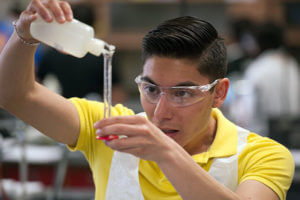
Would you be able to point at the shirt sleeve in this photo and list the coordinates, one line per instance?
(268, 162)
(90, 112)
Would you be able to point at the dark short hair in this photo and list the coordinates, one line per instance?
(188, 38)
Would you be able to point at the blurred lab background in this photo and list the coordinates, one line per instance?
(263, 41)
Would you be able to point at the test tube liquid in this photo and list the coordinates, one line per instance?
(107, 83)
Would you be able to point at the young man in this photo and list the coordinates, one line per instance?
(188, 149)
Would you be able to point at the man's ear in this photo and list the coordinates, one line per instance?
(220, 92)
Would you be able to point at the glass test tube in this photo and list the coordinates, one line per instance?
(107, 80)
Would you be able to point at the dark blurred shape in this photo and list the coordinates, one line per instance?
(269, 36)
(84, 13)
(240, 27)
(78, 77)
(244, 47)
(15, 9)
(6, 124)
(292, 13)
(286, 130)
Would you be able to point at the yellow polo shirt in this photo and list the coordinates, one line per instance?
(262, 159)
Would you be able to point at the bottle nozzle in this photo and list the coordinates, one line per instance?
(109, 49)
(96, 46)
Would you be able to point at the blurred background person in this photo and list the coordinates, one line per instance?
(271, 82)
(243, 49)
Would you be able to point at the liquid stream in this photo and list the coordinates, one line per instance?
(107, 86)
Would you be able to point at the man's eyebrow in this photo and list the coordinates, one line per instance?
(147, 79)
(186, 83)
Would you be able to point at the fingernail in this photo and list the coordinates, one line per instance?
(98, 131)
(48, 17)
(33, 17)
(62, 18)
(70, 17)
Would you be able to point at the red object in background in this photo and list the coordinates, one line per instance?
(2, 191)
(76, 176)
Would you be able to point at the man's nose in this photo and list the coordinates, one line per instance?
(163, 109)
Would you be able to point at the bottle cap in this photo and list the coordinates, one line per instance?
(96, 46)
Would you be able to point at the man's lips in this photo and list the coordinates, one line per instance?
(170, 132)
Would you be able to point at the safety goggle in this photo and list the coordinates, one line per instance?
(177, 96)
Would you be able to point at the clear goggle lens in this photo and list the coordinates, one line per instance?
(177, 96)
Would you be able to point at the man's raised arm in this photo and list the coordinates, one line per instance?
(20, 94)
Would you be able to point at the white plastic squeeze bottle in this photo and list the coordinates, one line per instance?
(74, 38)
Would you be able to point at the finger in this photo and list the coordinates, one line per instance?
(26, 18)
(23, 24)
(134, 146)
(125, 144)
(128, 130)
(37, 7)
(133, 119)
(56, 10)
(66, 8)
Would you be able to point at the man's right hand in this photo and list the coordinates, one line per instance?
(49, 10)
